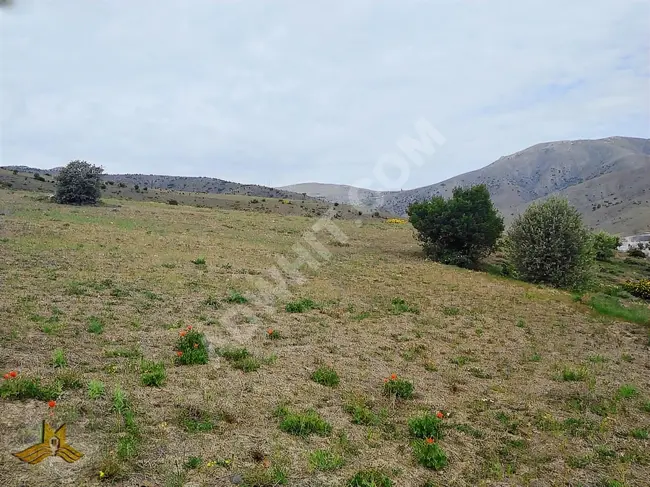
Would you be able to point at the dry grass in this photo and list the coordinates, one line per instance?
(511, 418)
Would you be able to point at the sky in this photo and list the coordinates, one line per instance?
(279, 92)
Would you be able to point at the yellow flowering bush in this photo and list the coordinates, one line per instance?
(396, 221)
(640, 288)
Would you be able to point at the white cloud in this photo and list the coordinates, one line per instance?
(289, 91)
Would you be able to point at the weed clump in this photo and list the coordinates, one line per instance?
(152, 374)
(427, 426)
(191, 348)
(302, 424)
(399, 388)
(325, 376)
(429, 454)
(370, 478)
(300, 306)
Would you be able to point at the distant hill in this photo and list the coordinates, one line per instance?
(181, 183)
(608, 180)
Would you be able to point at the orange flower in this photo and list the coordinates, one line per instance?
(439, 415)
(430, 441)
(270, 331)
(196, 345)
(393, 377)
(179, 353)
(51, 404)
(13, 373)
(183, 333)
(6, 376)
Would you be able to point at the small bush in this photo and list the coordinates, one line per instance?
(199, 261)
(240, 359)
(96, 389)
(573, 375)
(362, 414)
(550, 244)
(303, 424)
(458, 231)
(400, 388)
(627, 391)
(325, 460)
(637, 253)
(191, 348)
(172, 202)
(429, 454)
(427, 426)
(152, 374)
(605, 245)
(300, 306)
(640, 288)
(193, 463)
(370, 478)
(326, 376)
(79, 183)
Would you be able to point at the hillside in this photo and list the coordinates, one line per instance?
(608, 180)
(181, 183)
(96, 302)
(121, 189)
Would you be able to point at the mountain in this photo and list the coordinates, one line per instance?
(181, 183)
(608, 180)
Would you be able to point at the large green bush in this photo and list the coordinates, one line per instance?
(549, 244)
(79, 183)
(460, 230)
(605, 245)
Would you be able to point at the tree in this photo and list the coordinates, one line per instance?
(79, 183)
(459, 231)
(605, 245)
(549, 244)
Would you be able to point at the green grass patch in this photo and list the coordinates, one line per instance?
(399, 306)
(325, 376)
(399, 388)
(302, 423)
(96, 389)
(427, 426)
(612, 307)
(325, 460)
(191, 348)
(236, 298)
(95, 325)
(300, 306)
(58, 358)
(429, 454)
(21, 388)
(370, 478)
(152, 374)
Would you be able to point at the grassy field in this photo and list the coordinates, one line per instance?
(307, 207)
(534, 386)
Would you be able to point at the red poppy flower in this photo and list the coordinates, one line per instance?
(439, 415)
(51, 404)
(179, 353)
(13, 373)
(189, 327)
(182, 333)
(6, 376)
(270, 331)
(430, 441)
(385, 380)
(393, 377)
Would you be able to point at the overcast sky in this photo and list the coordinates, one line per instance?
(279, 92)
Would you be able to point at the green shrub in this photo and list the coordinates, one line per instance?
(326, 376)
(95, 325)
(191, 348)
(399, 306)
(172, 202)
(199, 261)
(362, 414)
(605, 245)
(640, 288)
(427, 426)
(400, 388)
(193, 463)
(429, 454)
(300, 306)
(550, 244)
(370, 478)
(636, 252)
(302, 424)
(458, 231)
(79, 183)
(195, 420)
(152, 373)
(240, 359)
